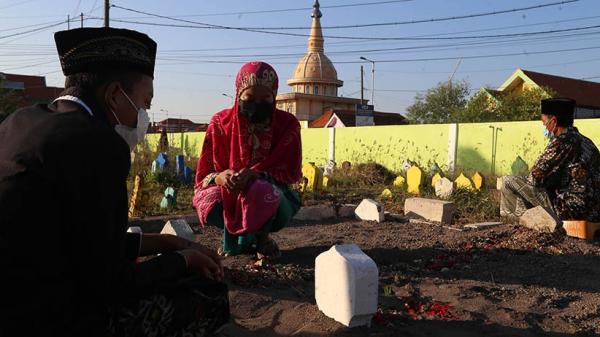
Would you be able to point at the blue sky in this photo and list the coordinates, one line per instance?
(186, 85)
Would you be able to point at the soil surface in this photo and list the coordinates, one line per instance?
(434, 281)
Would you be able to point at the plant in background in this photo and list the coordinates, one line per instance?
(9, 101)
(440, 104)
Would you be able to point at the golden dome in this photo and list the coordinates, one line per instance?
(315, 66)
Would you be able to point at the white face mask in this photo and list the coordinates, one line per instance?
(133, 136)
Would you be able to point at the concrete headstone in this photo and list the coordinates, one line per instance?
(406, 164)
(180, 165)
(370, 210)
(399, 182)
(436, 177)
(435, 168)
(326, 182)
(179, 227)
(134, 229)
(329, 168)
(346, 285)
(477, 180)
(346, 211)
(540, 219)
(162, 162)
(315, 213)
(413, 179)
(429, 209)
(386, 194)
(314, 177)
(463, 182)
(444, 188)
(188, 176)
(170, 198)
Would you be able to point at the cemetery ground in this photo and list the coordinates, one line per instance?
(434, 280)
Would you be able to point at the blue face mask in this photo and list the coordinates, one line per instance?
(547, 133)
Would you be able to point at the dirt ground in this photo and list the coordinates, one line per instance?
(434, 281)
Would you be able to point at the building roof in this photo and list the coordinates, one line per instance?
(348, 118)
(30, 89)
(585, 93)
(332, 99)
(175, 121)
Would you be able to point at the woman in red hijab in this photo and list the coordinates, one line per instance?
(251, 155)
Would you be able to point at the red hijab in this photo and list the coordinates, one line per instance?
(231, 142)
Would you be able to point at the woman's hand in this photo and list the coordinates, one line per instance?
(225, 179)
(242, 178)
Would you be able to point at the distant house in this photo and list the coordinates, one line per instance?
(585, 93)
(29, 89)
(177, 125)
(347, 118)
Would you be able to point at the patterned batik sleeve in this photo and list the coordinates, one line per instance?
(546, 172)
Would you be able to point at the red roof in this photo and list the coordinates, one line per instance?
(34, 89)
(176, 121)
(585, 93)
(348, 117)
(28, 80)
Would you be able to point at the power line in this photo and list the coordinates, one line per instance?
(431, 47)
(415, 59)
(29, 26)
(412, 49)
(37, 29)
(396, 23)
(51, 47)
(269, 11)
(199, 25)
(16, 4)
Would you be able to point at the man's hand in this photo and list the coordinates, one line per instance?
(202, 264)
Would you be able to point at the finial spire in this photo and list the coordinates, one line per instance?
(316, 41)
(316, 11)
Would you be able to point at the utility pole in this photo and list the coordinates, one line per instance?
(373, 79)
(68, 21)
(373, 84)
(362, 85)
(81, 15)
(106, 13)
(181, 130)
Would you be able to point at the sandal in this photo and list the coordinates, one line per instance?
(268, 250)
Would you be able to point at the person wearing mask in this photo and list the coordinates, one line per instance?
(68, 264)
(251, 155)
(566, 177)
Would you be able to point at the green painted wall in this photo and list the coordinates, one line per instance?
(525, 139)
(315, 143)
(391, 145)
(194, 141)
(424, 144)
(315, 146)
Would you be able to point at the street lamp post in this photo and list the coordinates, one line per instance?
(373, 78)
